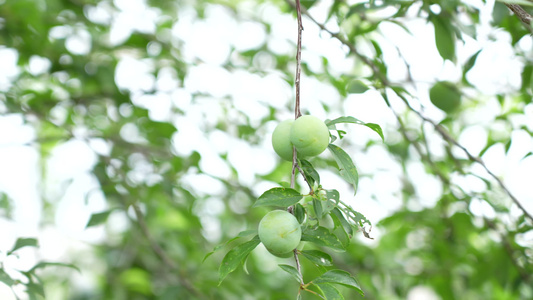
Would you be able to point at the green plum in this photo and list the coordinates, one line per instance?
(309, 135)
(281, 140)
(280, 232)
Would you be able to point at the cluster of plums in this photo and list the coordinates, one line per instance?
(308, 134)
(279, 230)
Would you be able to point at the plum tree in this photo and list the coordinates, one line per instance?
(281, 140)
(280, 232)
(309, 135)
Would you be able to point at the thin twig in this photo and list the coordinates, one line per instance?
(298, 267)
(297, 112)
(345, 42)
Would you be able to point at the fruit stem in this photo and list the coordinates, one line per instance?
(297, 114)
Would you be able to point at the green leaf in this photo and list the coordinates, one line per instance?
(444, 37)
(317, 257)
(329, 291)
(357, 217)
(293, 271)
(352, 120)
(339, 216)
(45, 264)
(339, 277)
(241, 234)
(348, 119)
(333, 195)
(328, 206)
(470, 63)
(317, 206)
(5, 278)
(233, 258)
(299, 212)
(281, 197)
(23, 242)
(356, 87)
(98, 218)
(321, 236)
(377, 129)
(35, 289)
(310, 173)
(445, 96)
(347, 169)
(358, 8)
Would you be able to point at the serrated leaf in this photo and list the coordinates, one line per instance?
(329, 291)
(45, 264)
(317, 257)
(321, 236)
(293, 271)
(310, 173)
(347, 169)
(98, 218)
(5, 278)
(235, 256)
(280, 197)
(352, 120)
(356, 87)
(339, 277)
(23, 242)
(241, 234)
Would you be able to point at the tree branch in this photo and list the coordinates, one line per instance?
(523, 15)
(444, 134)
(297, 114)
(447, 137)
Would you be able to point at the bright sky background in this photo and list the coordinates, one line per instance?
(69, 183)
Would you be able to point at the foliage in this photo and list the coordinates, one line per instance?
(153, 113)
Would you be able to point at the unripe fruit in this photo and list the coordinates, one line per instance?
(309, 135)
(280, 232)
(281, 140)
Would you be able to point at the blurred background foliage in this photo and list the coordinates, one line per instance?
(86, 73)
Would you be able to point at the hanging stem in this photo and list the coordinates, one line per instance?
(297, 113)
